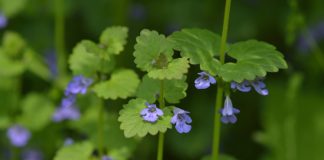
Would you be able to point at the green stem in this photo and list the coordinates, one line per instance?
(220, 86)
(59, 37)
(161, 135)
(100, 130)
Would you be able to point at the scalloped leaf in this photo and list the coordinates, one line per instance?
(133, 124)
(77, 151)
(10, 68)
(149, 48)
(32, 104)
(122, 84)
(13, 44)
(254, 59)
(175, 70)
(114, 39)
(174, 90)
(84, 59)
(200, 46)
(12, 7)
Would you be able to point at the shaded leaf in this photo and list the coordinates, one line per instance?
(37, 111)
(174, 90)
(200, 46)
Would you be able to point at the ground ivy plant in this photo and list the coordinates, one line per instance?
(93, 66)
(252, 60)
(164, 83)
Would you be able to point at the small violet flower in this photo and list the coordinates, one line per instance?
(68, 101)
(106, 158)
(204, 80)
(151, 113)
(68, 141)
(3, 21)
(228, 112)
(18, 135)
(79, 84)
(245, 86)
(66, 113)
(32, 155)
(181, 120)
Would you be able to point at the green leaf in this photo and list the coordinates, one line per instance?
(200, 46)
(36, 65)
(77, 151)
(37, 111)
(174, 90)
(13, 44)
(133, 124)
(122, 84)
(85, 59)
(254, 59)
(10, 68)
(114, 39)
(88, 124)
(152, 50)
(175, 70)
(12, 7)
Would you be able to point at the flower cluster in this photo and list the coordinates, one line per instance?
(67, 109)
(18, 135)
(180, 117)
(245, 86)
(32, 155)
(228, 112)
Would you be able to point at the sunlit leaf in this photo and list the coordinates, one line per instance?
(174, 70)
(114, 39)
(77, 151)
(122, 84)
(152, 50)
(133, 124)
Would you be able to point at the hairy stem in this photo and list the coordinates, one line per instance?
(161, 135)
(220, 89)
(59, 37)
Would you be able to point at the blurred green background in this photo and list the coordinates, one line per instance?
(286, 125)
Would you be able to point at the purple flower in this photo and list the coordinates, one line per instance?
(79, 84)
(137, 12)
(66, 113)
(151, 113)
(51, 61)
(3, 21)
(181, 120)
(245, 86)
(68, 101)
(106, 158)
(32, 155)
(228, 112)
(68, 141)
(18, 135)
(204, 80)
